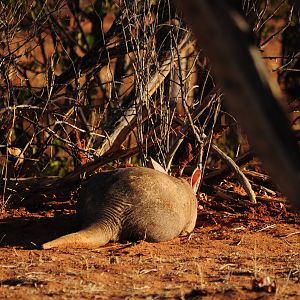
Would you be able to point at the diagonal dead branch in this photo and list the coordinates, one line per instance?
(125, 124)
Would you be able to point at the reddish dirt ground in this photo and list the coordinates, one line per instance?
(229, 256)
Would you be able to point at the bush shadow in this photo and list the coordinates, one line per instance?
(32, 232)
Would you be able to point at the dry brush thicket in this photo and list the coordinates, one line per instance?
(122, 81)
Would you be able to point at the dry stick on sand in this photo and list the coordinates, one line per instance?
(229, 195)
(223, 172)
(236, 170)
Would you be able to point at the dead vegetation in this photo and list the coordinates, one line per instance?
(117, 83)
(86, 85)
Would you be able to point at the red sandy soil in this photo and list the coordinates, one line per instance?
(229, 256)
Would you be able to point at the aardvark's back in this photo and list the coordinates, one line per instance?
(131, 204)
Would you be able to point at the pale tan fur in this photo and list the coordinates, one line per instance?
(131, 204)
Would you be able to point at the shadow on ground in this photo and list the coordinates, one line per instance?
(31, 232)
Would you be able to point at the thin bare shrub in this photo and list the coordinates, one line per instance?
(86, 80)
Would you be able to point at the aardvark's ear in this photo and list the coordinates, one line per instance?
(156, 166)
(195, 179)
